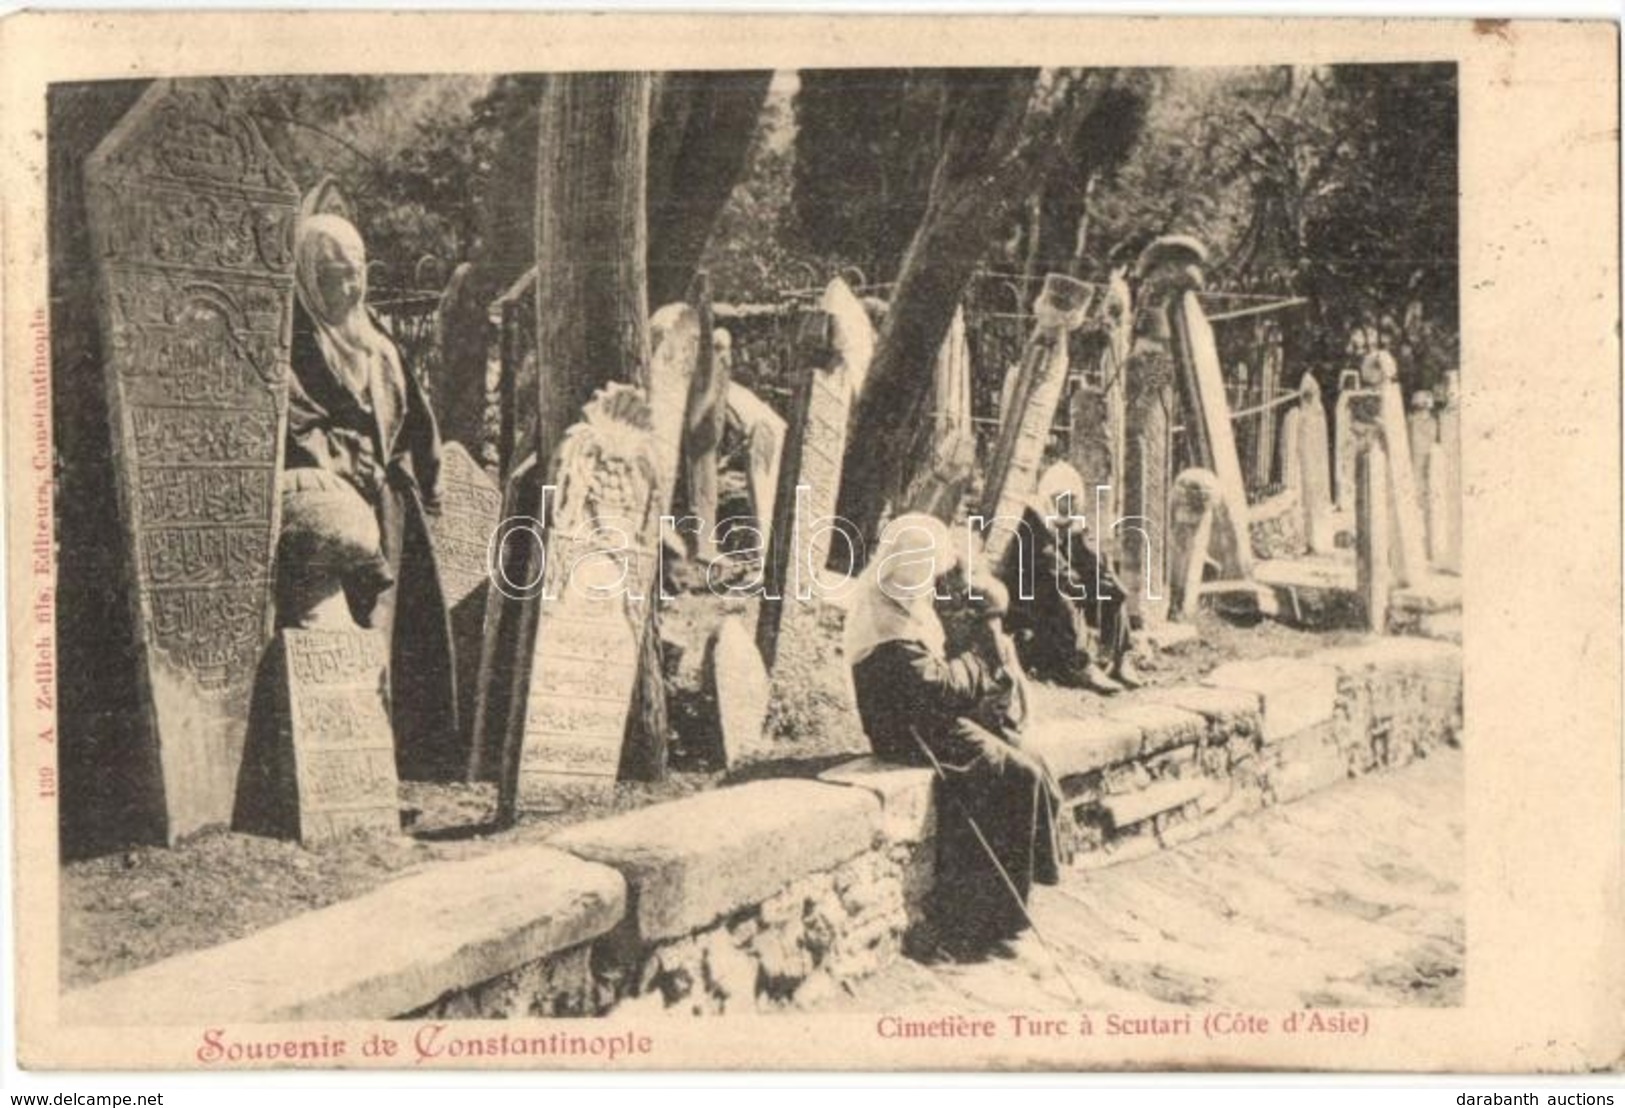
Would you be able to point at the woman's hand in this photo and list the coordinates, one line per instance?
(994, 601)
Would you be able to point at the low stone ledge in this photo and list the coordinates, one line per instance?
(1397, 698)
(689, 862)
(907, 811)
(1230, 713)
(391, 951)
(1392, 654)
(1295, 694)
(1162, 727)
(1076, 747)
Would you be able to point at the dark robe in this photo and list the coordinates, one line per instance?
(1062, 595)
(909, 698)
(399, 442)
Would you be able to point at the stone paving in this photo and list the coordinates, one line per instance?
(1348, 898)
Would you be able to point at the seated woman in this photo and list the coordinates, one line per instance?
(996, 822)
(1063, 594)
(355, 411)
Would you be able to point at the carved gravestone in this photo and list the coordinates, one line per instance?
(325, 197)
(1012, 474)
(1449, 473)
(337, 726)
(1292, 452)
(1209, 419)
(508, 625)
(470, 507)
(737, 684)
(1191, 506)
(838, 342)
(939, 488)
(1147, 472)
(191, 220)
(1424, 431)
(1373, 552)
(674, 338)
(798, 631)
(1408, 528)
(603, 524)
(1357, 408)
(1314, 452)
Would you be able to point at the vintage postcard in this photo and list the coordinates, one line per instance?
(813, 542)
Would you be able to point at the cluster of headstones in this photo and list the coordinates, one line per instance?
(193, 222)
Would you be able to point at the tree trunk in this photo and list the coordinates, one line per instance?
(700, 138)
(991, 161)
(592, 313)
(592, 309)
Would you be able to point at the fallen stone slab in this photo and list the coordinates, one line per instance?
(690, 862)
(378, 956)
(907, 812)
(1296, 694)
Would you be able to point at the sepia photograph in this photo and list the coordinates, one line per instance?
(969, 555)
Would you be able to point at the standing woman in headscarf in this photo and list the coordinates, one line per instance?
(921, 707)
(355, 409)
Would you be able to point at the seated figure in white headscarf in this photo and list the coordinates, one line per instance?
(921, 707)
(1066, 609)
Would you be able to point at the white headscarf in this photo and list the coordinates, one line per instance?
(895, 597)
(1055, 482)
(360, 355)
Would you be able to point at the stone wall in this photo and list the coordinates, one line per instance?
(757, 896)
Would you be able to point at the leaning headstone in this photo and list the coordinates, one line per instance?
(1140, 532)
(470, 507)
(1092, 456)
(1450, 482)
(706, 421)
(1314, 454)
(1191, 507)
(1424, 425)
(939, 489)
(838, 340)
(191, 220)
(764, 432)
(1292, 453)
(1424, 432)
(1439, 482)
(601, 533)
(321, 762)
(326, 197)
(674, 339)
(337, 719)
(507, 627)
(1012, 472)
(1372, 553)
(798, 629)
(1409, 536)
(1214, 432)
(1269, 379)
(737, 684)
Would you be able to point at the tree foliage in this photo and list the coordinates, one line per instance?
(1338, 184)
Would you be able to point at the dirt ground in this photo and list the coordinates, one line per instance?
(127, 909)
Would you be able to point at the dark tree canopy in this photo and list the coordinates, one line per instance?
(866, 145)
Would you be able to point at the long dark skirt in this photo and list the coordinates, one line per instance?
(998, 803)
